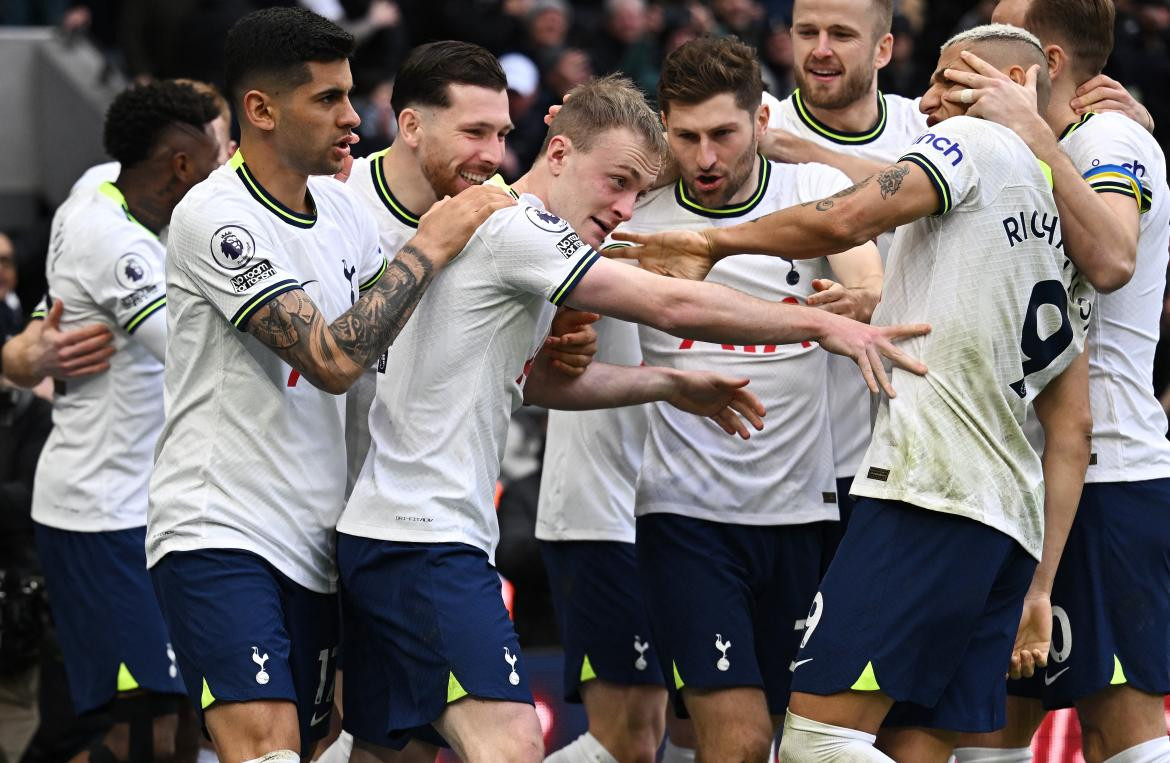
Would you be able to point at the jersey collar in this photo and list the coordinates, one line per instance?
(269, 201)
(837, 136)
(731, 210)
(1074, 126)
(498, 180)
(382, 188)
(112, 192)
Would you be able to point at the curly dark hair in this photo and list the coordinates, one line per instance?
(138, 116)
(279, 43)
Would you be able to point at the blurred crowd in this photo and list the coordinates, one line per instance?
(549, 46)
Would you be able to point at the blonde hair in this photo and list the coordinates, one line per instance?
(602, 104)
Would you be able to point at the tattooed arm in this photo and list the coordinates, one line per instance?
(333, 355)
(898, 194)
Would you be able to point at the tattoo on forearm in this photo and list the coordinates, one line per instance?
(890, 180)
(293, 327)
(827, 204)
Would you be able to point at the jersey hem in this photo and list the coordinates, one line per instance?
(156, 551)
(53, 522)
(805, 517)
(553, 536)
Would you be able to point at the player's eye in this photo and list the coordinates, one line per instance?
(619, 181)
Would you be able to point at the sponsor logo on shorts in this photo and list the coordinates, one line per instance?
(722, 663)
(139, 297)
(232, 247)
(262, 677)
(513, 677)
(570, 244)
(317, 719)
(640, 647)
(173, 670)
(261, 271)
(132, 271)
(546, 221)
(1049, 680)
(797, 663)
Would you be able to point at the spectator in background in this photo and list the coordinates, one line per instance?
(1146, 61)
(626, 44)
(901, 75)
(776, 59)
(548, 29)
(743, 18)
(683, 23)
(528, 131)
(10, 312)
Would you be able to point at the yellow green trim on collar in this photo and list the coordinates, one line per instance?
(114, 194)
(268, 200)
(1074, 126)
(382, 188)
(838, 136)
(732, 210)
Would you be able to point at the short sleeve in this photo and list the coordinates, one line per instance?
(538, 253)
(1113, 154)
(947, 155)
(231, 258)
(374, 262)
(128, 280)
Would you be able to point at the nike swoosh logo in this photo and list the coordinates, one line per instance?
(1048, 680)
(797, 664)
(315, 720)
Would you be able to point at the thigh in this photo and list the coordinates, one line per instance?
(597, 595)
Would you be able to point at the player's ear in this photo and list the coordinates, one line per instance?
(410, 127)
(560, 147)
(884, 51)
(1057, 60)
(763, 114)
(1017, 74)
(258, 110)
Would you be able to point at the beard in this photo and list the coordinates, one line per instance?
(737, 175)
(854, 86)
(444, 178)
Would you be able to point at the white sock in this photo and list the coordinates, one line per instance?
(207, 755)
(339, 751)
(993, 755)
(676, 754)
(277, 756)
(808, 741)
(1153, 751)
(583, 749)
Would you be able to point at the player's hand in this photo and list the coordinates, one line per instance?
(450, 223)
(678, 253)
(1034, 637)
(1103, 93)
(996, 98)
(71, 354)
(554, 109)
(783, 146)
(572, 341)
(346, 168)
(721, 398)
(841, 300)
(867, 345)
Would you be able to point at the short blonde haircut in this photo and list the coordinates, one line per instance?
(602, 104)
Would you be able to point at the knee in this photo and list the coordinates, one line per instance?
(745, 742)
(1093, 742)
(521, 741)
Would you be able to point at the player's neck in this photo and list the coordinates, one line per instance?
(148, 199)
(1059, 114)
(288, 186)
(535, 182)
(408, 184)
(858, 116)
(748, 189)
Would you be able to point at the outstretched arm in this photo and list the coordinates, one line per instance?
(779, 145)
(722, 398)
(333, 355)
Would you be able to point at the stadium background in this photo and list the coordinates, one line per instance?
(64, 61)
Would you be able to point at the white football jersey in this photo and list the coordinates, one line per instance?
(986, 273)
(591, 458)
(251, 455)
(95, 467)
(899, 123)
(1116, 155)
(106, 172)
(440, 418)
(784, 474)
(396, 226)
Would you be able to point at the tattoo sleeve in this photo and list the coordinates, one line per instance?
(827, 204)
(332, 356)
(890, 180)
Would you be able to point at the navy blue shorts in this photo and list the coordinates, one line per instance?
(244, 631)
(424, 625)
(834, 531)
(727, 602)
(111, 631)
(923, 606)
(601, 614)
(1111, 597)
